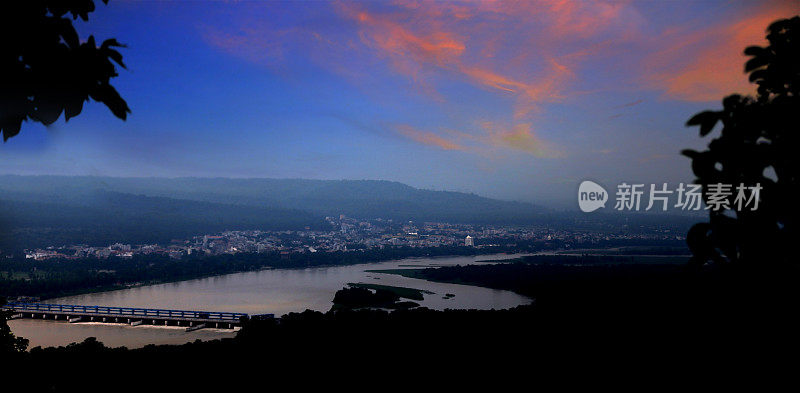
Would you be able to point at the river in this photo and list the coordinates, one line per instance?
(277, 291)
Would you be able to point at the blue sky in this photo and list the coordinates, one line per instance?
(515, 100)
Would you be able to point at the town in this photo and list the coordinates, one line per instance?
(349, 234)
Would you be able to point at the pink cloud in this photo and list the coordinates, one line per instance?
(524, 55)
(522, 138)
(707, 64)
(427, 138)
(490, 137)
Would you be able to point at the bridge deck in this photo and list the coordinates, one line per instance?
(126, 312)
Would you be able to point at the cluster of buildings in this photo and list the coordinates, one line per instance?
(347, 234)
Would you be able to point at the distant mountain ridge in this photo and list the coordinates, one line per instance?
(38, 211)
(356, 198)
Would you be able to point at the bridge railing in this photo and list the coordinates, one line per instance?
(125, 311)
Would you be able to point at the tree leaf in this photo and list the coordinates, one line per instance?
(690, 153)
(706, 120)
(108, 95)
(756, 63)
(73, 108)
(758, 75)
(755, 51)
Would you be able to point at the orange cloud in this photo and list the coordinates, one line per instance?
(515, 47)
(568, 18)
(708, 64)
(520, 137)
(421, 40)
(520, 55)
(490, 138)
(548, 88)
(410, 52)
(427, 138)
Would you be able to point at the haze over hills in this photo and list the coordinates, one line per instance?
(37, 211)
(356, 198)
(99, 210)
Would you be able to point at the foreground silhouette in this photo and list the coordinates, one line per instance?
(757, 146)
(47, 70)
(586, 313)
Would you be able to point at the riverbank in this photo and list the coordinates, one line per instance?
(59, 278)
(277, 291)
(530, 275)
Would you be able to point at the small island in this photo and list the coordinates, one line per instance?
(361, 295)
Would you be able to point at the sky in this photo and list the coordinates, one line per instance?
(512, 100)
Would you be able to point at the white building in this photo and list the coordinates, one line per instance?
(469, 242)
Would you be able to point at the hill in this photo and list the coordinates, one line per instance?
(39, 211)
(356, 198)
(102, 217)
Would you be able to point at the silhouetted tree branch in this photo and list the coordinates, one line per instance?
(44, 67)
(8, 342)
(757, 145)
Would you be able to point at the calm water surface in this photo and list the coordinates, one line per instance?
(277, 291)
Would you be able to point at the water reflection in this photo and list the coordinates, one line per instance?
(266, 291)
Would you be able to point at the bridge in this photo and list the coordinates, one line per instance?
(192, 320)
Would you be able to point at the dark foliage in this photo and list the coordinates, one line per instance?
(44, 67)
(577, 324)
(357, 297)
(9, 343)
(758, 134)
